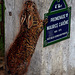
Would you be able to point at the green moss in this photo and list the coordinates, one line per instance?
(1, 47)
(1, 39)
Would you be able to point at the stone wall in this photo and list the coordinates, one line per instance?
(56, 59)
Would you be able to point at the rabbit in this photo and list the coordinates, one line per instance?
(23, 47)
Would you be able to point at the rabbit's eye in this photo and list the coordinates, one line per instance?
(33, 6)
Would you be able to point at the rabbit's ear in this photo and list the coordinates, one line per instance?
(30, 21)
(23, 18)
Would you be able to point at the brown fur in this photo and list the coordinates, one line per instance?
(21, 51)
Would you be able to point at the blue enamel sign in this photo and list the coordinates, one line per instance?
(58, 26)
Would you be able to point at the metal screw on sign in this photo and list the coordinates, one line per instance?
(58, 0)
